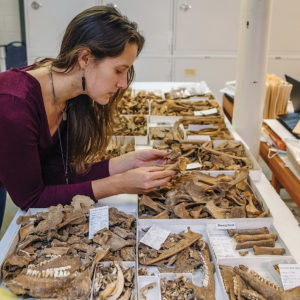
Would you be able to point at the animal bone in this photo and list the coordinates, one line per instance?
(146, 288)
(250, 244)
(254, 237)
(268, 251)
(252, 295)
(263, 230)
(188, 239)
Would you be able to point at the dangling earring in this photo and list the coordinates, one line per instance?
(83, 82)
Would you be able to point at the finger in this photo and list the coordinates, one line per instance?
(160, 182)
(152, 169)
(162, 174)
(159, 153)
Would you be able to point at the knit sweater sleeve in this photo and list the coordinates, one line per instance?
(20, 165)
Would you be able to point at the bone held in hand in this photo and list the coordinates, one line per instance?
(180, 165)
(250, 244)
(268, 251)
(240, 238)
(262, 230)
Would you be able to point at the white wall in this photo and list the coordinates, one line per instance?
(9, 25)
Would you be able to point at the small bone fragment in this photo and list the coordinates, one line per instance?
(243, 253)
(240, 238)
(250, 244)
(262, 230)
(146, 288)
(268, 251)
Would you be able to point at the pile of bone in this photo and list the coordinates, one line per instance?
(260, 239)
(47, 260)
(181, 108)
(228, 155)
(215, 127)
(117, 147)
(182, 253)
(136, 105)
(130, 126)
(203, 196)
(242, 283)
(160, 133)
(113, 281)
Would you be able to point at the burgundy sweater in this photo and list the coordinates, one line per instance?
(31, 167)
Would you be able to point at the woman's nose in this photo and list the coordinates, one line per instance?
(122, 82)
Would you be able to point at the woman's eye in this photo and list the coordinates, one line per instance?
(119, 72)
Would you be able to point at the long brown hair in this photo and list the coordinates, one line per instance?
(105, 31)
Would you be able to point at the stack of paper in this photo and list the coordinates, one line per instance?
(278, 94)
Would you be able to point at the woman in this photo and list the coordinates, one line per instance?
(57, 115)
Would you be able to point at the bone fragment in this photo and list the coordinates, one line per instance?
(250, 244)
(243, 253)
(119, 286)
(250, 294)
(180, 165)
(240, 238)
(262, 230)
(268, 251)
(189, 238)
(146, 288)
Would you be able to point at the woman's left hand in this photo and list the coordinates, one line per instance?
(137, 159)
(151, 157)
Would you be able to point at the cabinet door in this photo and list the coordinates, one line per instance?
(215, 71)
(46, 21)
(285, 28)
(154, 19)
(206, 26)
(152, 69)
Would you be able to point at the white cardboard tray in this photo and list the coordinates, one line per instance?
(223, 246)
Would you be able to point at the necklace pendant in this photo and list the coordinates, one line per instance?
(64, 115)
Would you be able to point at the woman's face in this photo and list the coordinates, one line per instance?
(105, 77)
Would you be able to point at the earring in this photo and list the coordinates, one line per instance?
(83, 82)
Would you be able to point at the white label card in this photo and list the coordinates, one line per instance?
(205, 112)
(193, 166)
(99, 218)
(290, 275)
(225, 226)
(155, 236)
(204, 138)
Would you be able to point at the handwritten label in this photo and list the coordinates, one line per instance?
(225, 226)
(193, 166)
(205, 112)
(205, 138)
(223, 246)
(99, 218)
(155, 236)
(290, 275)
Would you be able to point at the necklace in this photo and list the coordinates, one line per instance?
(64, 117)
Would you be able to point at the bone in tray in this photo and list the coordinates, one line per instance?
(130, 125)
(185, 254)
(182, 108)
(214, 155)
(195, 195)
(54, 256)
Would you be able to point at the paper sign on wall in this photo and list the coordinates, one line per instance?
(155, 236)
(290, 275)
(99, 218)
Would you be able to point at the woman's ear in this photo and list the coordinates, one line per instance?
(84, 56)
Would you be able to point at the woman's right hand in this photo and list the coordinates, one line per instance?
(144, 180)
